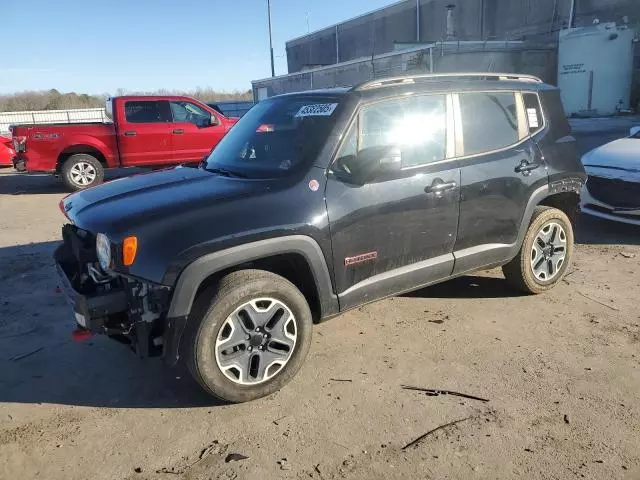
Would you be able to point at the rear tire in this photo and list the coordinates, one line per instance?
(545, 254)
(234, 347)
(81, 171)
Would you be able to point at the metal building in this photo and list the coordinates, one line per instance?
(444, 36)
(425, 21)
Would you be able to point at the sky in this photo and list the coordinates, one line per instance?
(99, 46)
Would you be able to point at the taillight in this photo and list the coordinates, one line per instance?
(20, 143)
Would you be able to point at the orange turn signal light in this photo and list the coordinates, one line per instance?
(129, 250)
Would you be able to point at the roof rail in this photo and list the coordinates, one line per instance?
(408, 79)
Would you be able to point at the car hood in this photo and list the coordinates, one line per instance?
(126, 203)
(619, 159)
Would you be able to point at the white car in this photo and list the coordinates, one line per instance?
(613, 188)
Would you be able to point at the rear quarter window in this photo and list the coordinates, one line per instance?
(535, 117)
(553, 112)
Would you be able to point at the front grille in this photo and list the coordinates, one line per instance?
(617, 193)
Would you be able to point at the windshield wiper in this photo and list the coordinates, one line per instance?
(224, 172)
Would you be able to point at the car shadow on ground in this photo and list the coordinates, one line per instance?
(598, 231)
(13, 182)
(468, 286)
(40, 363)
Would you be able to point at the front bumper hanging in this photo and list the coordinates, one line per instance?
(91, 310)
(128, 310)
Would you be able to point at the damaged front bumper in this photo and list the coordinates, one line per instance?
(91, 311)
(128, 310)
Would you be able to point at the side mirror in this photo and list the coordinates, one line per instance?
(378, 162)
(634, 131)
(390, 160)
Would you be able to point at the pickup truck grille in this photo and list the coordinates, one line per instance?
(617, 193)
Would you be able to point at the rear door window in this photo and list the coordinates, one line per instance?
(147, 111)
(489, 121)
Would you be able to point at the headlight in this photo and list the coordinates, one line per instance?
(103, 250)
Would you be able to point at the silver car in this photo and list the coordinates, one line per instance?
(613, 188)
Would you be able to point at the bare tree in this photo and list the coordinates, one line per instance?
(54, 100)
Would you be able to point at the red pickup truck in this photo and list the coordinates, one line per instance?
(146, 132)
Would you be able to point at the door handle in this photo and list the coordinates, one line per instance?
(130, 133)
(178, 131)
(439, 186)
(526, 167)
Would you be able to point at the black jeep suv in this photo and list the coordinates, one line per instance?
(318, 202)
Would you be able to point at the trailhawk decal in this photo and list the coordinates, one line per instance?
(365, 257)
(317, 110)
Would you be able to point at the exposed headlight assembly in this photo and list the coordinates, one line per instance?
(103, 250)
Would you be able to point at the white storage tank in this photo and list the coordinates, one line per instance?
(595, 65)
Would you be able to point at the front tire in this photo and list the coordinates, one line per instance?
(81, 171)
(545, 254)
(249, 335)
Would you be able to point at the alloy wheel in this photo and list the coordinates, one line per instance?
(83, 173)
(548, 251)
(256, 341)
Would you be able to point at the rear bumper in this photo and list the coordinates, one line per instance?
(19, 164)
(596, 208)
(33, 163)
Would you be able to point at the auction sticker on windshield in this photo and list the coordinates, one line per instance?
(317, 110)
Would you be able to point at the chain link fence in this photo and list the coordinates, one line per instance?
(538, 59)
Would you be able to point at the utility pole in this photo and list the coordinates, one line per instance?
(417, 21)
(273, 70)
(572, 13)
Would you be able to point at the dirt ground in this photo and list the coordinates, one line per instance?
(561, 373)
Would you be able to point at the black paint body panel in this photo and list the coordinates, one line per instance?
(191, 223)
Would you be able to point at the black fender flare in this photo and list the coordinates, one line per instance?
(199, 270)
(572, 185)
(537, 196)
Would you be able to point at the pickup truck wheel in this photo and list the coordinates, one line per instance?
(545, 253)
(249, 335)
(82, 171)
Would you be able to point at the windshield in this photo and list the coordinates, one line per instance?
(275, 137)
(636, 135)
